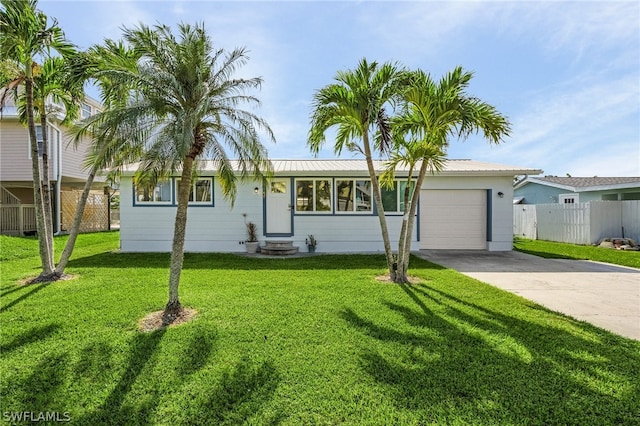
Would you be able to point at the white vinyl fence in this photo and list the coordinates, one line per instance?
(580, 223)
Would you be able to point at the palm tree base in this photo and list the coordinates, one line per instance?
(47, 278)
(171, 312)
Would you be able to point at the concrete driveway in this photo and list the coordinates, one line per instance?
(605, 295)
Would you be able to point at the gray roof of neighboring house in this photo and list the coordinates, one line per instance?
(582, 184)
(359, 166)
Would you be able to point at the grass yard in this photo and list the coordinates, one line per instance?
(312, 340)
(553, 250)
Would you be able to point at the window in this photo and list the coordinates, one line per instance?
(278, 188)
(313, 195)
(146, 194)
(39, 141)
(201, 191)
(393, 198)
(85, 110)
(353, 196)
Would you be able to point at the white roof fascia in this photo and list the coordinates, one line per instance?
(578, 189)
(552, 184)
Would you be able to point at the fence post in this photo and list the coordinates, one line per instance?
(21, 219)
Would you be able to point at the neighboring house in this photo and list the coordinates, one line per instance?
(66, 169)
(570, 190)
(466, 206)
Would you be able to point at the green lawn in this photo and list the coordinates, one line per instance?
(314, 340)
(551, 249)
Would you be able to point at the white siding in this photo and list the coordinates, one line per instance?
(337, 234)
(73, 157)
(209, 229)
(15, 163)
(222, 229)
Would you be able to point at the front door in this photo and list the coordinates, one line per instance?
(279, 207)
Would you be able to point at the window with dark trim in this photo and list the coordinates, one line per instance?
(201, 191)
(393, 198)
(161, 193)
(313, 195)
(353, 195)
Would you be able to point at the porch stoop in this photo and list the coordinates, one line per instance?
(279, 248)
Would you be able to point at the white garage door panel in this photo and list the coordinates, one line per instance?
(453, 219)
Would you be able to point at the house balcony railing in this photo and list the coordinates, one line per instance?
(17, 219)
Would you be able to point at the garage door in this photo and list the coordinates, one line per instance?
(453, 219)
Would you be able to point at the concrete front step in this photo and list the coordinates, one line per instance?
(279, 248)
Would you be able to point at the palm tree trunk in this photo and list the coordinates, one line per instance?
(375, 186)
(46, 181)
(173, 308)
(405, 235)
(75, 226)
(46, 257)
(403, 258)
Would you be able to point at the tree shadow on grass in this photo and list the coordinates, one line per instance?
(230, 261)
(196, 354)
(39, 391)
(35, 288)
(35, 334)
(461, 362)
(141, 376)
(239, 396)
(114, 410)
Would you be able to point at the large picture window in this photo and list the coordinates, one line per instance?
(353, 196)
(160, 193)
(313, 195)
(393, 198)
(201, 191)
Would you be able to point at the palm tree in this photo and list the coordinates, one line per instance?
(185, 108)
(109, 150)
(413, 155)
(53, 81)
(433, 113)
(25, 34)
(356, 103)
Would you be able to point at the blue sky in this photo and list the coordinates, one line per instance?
(567, 74)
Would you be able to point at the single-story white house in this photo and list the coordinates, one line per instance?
(466, 206)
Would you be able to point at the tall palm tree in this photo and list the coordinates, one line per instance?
(109, 150)
(356, 104)
(52, 81)
(434, 112)
(186, 107)
(25, 35)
